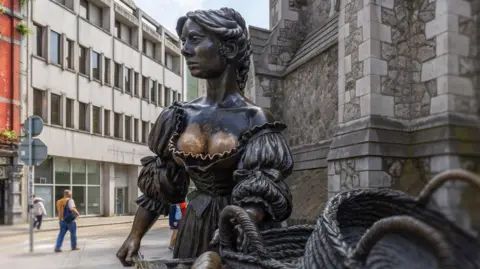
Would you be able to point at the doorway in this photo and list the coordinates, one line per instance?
(2, 202)
(121, 201)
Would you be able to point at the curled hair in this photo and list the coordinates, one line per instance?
(230, 28)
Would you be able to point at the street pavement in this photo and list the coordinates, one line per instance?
(98, 244)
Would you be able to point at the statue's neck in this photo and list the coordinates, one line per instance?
(218, 89)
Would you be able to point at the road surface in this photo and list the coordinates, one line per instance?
(98, 247)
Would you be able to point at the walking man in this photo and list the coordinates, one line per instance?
(67, 213)
(39, 211)
(175, 215)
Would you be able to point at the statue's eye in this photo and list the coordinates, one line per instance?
(195, 38)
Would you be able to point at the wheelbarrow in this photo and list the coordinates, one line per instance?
(358, 229)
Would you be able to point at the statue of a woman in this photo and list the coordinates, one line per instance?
(230, 148)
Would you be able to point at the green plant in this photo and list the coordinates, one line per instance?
(23, 29)
(23, 2)
(2, 9)
(9, 135)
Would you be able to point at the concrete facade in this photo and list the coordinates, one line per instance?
(401, 105)
(99, 74)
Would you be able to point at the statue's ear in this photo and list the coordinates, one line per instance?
(230, 49)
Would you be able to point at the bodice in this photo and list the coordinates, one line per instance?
(210, 145)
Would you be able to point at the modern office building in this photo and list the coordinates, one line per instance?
(101, 71)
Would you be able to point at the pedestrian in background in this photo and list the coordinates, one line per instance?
(67, 214)
(39, 211)
(175, 215)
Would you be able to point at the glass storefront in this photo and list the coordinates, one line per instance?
(82, 177)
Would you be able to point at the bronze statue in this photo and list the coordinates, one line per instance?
(230, 148)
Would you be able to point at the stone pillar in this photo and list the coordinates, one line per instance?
(108, 182)
(406, 97)
(133, 192)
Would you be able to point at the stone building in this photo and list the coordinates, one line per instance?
(375, 94)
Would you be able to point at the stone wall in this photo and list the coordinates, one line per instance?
(405, 55)
(309, 191)
(310, 103)
(316, 14)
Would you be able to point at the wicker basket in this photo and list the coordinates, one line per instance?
(366, 228)
(353, 231)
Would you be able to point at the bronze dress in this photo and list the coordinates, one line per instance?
(252, 172)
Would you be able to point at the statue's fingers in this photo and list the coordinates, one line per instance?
(131, 253)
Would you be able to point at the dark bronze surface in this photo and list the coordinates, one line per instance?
(230, 148)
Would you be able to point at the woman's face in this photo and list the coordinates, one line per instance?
(201, 51)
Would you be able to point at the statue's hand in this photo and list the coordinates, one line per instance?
(129, 250)
(242, 242)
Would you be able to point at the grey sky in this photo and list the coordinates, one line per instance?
(166, 12)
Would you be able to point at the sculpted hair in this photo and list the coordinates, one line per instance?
(230, 28)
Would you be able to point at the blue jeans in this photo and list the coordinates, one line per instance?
(64, 227)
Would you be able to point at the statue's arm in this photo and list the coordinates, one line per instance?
(262, 190)
(161, 181)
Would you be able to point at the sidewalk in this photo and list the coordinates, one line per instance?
(52, 225)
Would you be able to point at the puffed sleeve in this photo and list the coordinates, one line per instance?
(265, 163)
(161, 180)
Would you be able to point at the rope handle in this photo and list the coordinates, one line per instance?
(226, 227)
(401, 224)
(440, 179)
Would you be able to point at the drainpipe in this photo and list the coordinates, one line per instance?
(12, 60)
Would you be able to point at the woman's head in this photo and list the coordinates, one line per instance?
(214, 39)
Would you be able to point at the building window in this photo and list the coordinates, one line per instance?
(70, 47)
(135, 84)
(166, 97)
(117, 71)
(96, 120)
(95, 15)
(106, 122)
(144, 132)
(174, 96)
(126, 75)
(148, 48)
(123, 32)
(117, 29)
(159, 94)
(82, 116)
(107, 71)
(38, 44)
(179, 98)
(83, 12)
(135, 130)
(83, 60)
(169, 61)
(128, 128)
(153, 98)
(69, 113)
(96, 65)
(38, 103)
(55, 109)
(117, 121)
(145, 88)
(66, 3)
(81, 177)
(55, 48)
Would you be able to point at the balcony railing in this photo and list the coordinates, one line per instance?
(106, 2)
(172, 47)
(127, 15)
(151, 32)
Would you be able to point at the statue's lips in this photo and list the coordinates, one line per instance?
(192, 64)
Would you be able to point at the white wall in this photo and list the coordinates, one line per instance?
(79, 145)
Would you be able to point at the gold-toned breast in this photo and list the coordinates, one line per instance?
(192, 140)
(221, 142)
